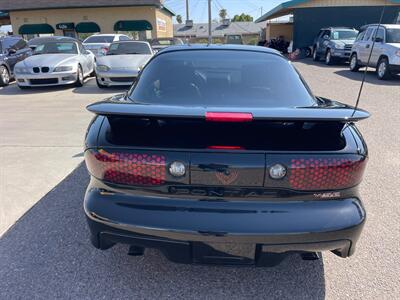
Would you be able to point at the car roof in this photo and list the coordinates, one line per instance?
(130, 41)
(382, 25)
(220, 47)
(10, 37)
(334, 28)
(106, 34)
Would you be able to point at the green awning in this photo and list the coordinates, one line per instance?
(65, 26)
(36, 29)
(87, 27)
(133, 25)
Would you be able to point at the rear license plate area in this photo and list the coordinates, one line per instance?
(216, 169)
(224, 253)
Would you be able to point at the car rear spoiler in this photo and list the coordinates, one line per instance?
(327, 111)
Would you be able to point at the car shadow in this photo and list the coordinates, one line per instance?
(321, 63)
(47, 253)
(92, 88)
(370, 78)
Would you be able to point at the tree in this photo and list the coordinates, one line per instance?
(179, 19)
(242, 18)
(223, 14)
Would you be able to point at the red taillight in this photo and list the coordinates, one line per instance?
(228, 117)
(326, 173)
(126, 167)
(104, 50)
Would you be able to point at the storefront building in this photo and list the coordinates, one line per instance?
(141, 19)
(309, 16)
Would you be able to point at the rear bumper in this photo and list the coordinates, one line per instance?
(179, 228)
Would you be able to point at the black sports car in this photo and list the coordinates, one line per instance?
(222, 155)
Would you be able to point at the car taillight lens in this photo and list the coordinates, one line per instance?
(325, 173)
(127, 168)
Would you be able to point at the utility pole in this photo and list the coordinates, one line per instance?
(187, 10)
(262, 11)
(209, 23)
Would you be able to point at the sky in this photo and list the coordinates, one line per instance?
(199, 8)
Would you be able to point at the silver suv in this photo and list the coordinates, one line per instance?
(334, 44)
(386, 53)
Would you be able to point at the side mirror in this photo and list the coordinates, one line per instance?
(12, 51)
(326, 37)
(378, 40)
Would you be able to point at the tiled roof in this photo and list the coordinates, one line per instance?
(200, 30)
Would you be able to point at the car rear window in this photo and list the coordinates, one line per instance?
(129, 48)
(99, 39)
(221, 78)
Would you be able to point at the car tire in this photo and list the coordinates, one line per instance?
(101, 86)
(383, 70)
(79, 77)
(328, 58)
(4, 76)
(354, 66)
(315, 55)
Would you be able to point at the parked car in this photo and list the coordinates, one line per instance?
(222, 155)
(162, 43)
(58, 61)
(13, 49)
(334, 44)
(99, 43)
(386, 53)
(122, 63)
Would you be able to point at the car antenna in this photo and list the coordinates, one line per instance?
(369, 59)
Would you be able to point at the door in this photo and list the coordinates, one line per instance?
(86, 60)
(365, 46)
(378, 47)
(323, 42)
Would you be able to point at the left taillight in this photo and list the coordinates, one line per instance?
(127, 168)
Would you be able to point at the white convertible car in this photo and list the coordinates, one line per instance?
(57, 61)
(122, 63)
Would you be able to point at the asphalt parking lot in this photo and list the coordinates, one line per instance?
(47, 254)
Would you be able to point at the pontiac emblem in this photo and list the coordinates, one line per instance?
(227, 177)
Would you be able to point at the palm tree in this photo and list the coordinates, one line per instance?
(223, 14)
(179, 19)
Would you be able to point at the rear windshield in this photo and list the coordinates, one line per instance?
(99, 39)
(129, 48)
(393, 35)
(56, 48)
(221, 78)
(166, 42)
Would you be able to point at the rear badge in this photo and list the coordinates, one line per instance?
(327, 195)
(227, 177)
(177, 169)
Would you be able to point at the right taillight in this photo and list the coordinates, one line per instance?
(315, 172)
(325, 173)
(128, 168)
